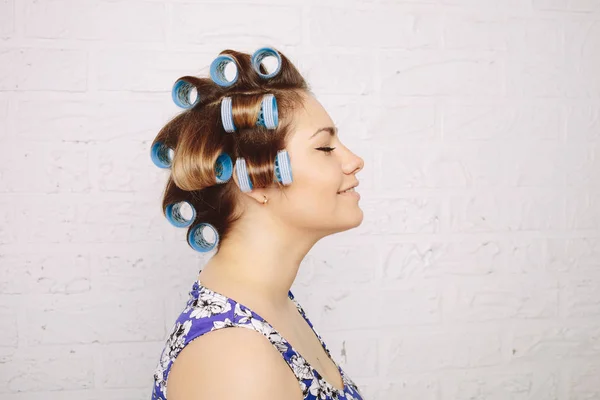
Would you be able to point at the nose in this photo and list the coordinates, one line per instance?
(354, 164)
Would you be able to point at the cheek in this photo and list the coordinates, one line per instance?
(319, 173)
(321, 184)
(313, 191)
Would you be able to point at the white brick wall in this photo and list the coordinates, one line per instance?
(476, 272)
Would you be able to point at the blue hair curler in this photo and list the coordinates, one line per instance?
(197, 241)
(283, 171)
(227, 115)
(244, 181)
(260, 55)
(223, 168)
(283, 167)
(176, 218)
(268, 116)
(181, 94)
(217, 70)
(161, 155)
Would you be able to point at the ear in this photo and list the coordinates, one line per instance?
(256, 193)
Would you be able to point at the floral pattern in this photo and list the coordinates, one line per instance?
(207, 310)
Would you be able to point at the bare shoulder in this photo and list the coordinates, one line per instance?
(231, 363)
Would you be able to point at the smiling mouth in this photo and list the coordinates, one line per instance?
(347, 191)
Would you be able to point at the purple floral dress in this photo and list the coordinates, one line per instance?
(207, 311)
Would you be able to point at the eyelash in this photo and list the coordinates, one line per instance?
(327, 150)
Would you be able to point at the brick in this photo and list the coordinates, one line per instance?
(535, 164)
(502, 122)
(131, 21)
(507, 211)
(427, 259)
(582, 38)
(582, 165)
(411, 386)
(580, 296)
(527, 256)
(336, 308)
(74, 119)
(7, 220)
(440, 73)
(582, 382)
(489, 5)
(325, 266)
(475, 32)
(365, 118)
(389, 27)
(119, 364)
(242, 24)
(481, 299)
(147, 70)
(417, 122)
(567, 5)
(552, 342)
(138, 267)
(83, 394)
(7, 18)
(538, 383)
(121, 165)
(9, 312)
(441, 165)
(414, 303)
(400, 216)
(86, 220)
(49, 169)
(357, 353)
(582, 210)
(47, 368)
(86, 318)
(579, 255)
(583, 122)
(4, 115)
(27, 69)
(338, 72)
(434, 351)
(536, 66)
(44, 269)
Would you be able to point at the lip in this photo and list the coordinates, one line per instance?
(350, 187)
(350, 194)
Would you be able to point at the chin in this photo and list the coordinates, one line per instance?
(352, 221)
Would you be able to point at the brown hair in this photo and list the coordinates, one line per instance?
(198, 137)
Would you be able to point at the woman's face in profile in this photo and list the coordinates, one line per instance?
(322, 167)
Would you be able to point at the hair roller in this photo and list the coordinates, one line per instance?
(260, 55)
(282, 171)
(162, 155)
(268, 115)
(283, 168)
(181, 94)
(223, 168)
(175, 216)
(217, 70)
(227, 115)
(196, 238)
(241, 170)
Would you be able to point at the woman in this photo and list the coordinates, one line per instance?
(293, 185)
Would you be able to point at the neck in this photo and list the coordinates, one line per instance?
(258, 261)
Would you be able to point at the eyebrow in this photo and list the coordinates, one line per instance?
(331, 129)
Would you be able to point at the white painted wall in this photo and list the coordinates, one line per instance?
(475, 274)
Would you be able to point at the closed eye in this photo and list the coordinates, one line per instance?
(327, 150)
